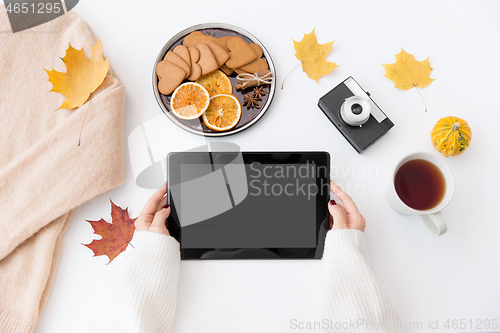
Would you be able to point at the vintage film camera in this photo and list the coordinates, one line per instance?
(355, 114)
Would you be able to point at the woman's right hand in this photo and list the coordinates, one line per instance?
(347, 215)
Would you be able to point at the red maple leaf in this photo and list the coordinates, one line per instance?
(115, 236)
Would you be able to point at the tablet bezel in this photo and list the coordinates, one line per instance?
(321, 158)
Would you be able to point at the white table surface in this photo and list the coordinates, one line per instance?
(428, 278)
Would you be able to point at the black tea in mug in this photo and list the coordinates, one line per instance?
(420, 184)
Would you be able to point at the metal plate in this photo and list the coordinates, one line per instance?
(249, 116)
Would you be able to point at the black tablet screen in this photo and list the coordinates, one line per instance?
(226, 202)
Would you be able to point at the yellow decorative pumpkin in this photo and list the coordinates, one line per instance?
(451, 136)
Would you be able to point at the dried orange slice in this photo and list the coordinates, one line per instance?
(189, 100)
(223, 113)
(216, 83)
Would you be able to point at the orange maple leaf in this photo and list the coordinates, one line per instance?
(407, 72)
(115, 236)
(82, 77)
(312, 57)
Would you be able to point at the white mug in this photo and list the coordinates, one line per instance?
(432, 218)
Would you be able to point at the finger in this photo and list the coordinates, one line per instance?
(141, 224)
(346, 200)
(162, 204)
(362, 225)
(338, 216)
(153, 202)
(159, 222)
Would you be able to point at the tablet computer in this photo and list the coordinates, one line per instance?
(249, 205)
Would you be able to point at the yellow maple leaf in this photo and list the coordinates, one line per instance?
(312, 55)
(407, 72)
(83, 76)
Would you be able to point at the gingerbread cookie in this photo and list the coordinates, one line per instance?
(207, 61)
(222, 42)
(220, 55)
(257, 49)
(197, 37)
(183, 52)
(240, 53)
(194, 54)
(177, 60)
(170, 76)
(239, 71)
(195, 72)
(255, 66)
(226, 69)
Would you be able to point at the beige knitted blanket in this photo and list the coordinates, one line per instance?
(44, 174)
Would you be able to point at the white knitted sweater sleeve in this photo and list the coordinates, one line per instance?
(143, 291)
(351, 298)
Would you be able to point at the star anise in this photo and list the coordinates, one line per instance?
(258, 92)
(250, 101)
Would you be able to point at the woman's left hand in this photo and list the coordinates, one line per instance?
(154, 215)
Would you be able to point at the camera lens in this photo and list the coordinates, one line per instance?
(356, 109)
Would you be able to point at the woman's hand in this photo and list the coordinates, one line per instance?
(154, 215)
(347, 215)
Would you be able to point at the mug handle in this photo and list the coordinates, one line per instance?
(435, 222)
